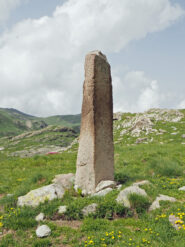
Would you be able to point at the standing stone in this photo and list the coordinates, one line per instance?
(95, 161)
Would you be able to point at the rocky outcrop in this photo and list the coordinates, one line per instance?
(156, 203)
(123, 196)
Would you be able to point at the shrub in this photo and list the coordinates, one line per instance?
(139, 203)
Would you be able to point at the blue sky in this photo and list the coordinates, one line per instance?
(147, 63)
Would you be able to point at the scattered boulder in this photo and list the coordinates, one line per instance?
(105, 184)
(62, 209)
(90, 209)
(64, 180)
(1, 148)
(183, 136)
(43, 231)
(176, 222)
(40, 195)
(40, 217)
(103, 192)
(182, 188)
(141, 140)
(175, 133)
(124, 194)
(156, 203)
(144, 182)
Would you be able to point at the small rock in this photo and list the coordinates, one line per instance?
(182, 188)
(43, 231)
(124, 194)
(40, 195)
(102, 192)
(141, 140)
(64, 180)
(183, 136)
(156, 203)
(90, 209)
(118, 187)
(1, 148)
(9, 195)
(175, 133)
(62, 209)
(174, 221)
(141, 183)
(40, 217)
(105, 184)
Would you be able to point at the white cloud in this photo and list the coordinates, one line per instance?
(6, 6)
(181, 105)
(41, 61)
(139, 92)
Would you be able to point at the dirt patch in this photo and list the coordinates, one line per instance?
(74, 224)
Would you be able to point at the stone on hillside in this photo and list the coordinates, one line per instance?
(156, 203)
(62, 209)
(64, 180)
(176, 222)
(144, 182)
(141, 140)
(40, 195)
(43, 231)
(105, 184)
(90, 209)
(123, 196)
(182, 188)
(95, 160)
(174, 134)
(183, 136)
(40, 217)
(1, 148)
(103, 192)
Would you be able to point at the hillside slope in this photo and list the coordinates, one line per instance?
(148, 146)
(14, 122)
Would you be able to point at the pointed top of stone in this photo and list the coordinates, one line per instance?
(98, 53)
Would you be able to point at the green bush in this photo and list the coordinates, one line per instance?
(139, 203)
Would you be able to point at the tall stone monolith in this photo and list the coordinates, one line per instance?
(95, 161)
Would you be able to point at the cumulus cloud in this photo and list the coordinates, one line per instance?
(181, 105)
(6, 6)
(139, 92)
(41, 60)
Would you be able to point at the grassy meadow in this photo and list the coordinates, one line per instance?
(161, 161)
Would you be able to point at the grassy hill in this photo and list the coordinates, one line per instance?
(148, 146)
(14, 122)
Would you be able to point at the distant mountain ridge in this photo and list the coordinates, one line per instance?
(14, 122)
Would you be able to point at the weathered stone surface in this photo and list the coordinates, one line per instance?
(103, 192)
(62, 209)
(124, 195)
(95, 161)
(156, 203)
(40, 217)
(90, 209)
(144, 182)
(105, 184)
(43, 231)
(64, 180)
(183, 136)
(182, 188)
(40, 195)
(176, 222)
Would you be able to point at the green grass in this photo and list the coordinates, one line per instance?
(112, 224)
